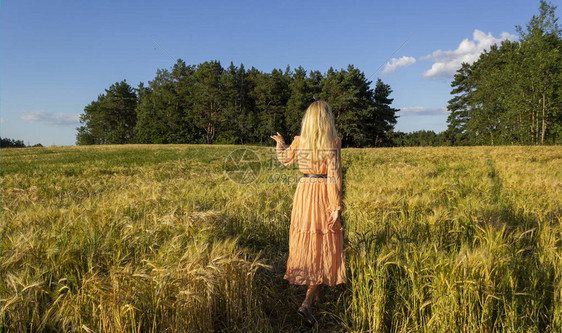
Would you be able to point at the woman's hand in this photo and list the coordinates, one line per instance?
(278, 138)
(333, 219)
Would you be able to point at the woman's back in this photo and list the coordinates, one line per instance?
(307, 165)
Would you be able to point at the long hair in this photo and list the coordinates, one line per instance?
(318, 130)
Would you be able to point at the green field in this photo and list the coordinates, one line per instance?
(158, 238)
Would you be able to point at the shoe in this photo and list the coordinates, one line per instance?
(306, 315)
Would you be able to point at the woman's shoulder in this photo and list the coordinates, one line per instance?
(296, 140)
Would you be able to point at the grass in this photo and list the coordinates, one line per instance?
(152, 238)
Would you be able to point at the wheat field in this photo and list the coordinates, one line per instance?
(163, 238)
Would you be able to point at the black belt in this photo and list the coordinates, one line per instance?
(311, 175)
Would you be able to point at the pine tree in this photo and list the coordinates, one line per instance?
(384, 115)
(111, 119)
(207, 102)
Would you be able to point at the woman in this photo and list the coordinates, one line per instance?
(315, 238)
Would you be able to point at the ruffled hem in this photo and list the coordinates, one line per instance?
(315, 257)
(303, 281)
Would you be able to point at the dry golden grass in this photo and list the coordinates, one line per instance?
(152, 238)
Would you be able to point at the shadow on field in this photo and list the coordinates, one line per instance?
(525, 280)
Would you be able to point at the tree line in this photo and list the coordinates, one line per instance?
(207, 103)
(420, 138)
(513, 93)
(13, 143)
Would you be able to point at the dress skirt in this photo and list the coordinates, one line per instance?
(315, 251)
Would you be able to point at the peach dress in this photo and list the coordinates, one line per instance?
(315, 251)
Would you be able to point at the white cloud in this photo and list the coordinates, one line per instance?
(446, 63)
(397, 62)
(51, 118)
(421, 111)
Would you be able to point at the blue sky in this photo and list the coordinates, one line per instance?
(56, 57)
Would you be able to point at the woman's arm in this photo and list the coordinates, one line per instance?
(335, 179)
(286, 155)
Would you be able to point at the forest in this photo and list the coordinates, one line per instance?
(210, 104)
(511, 95)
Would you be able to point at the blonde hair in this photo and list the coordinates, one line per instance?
(318, 130)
